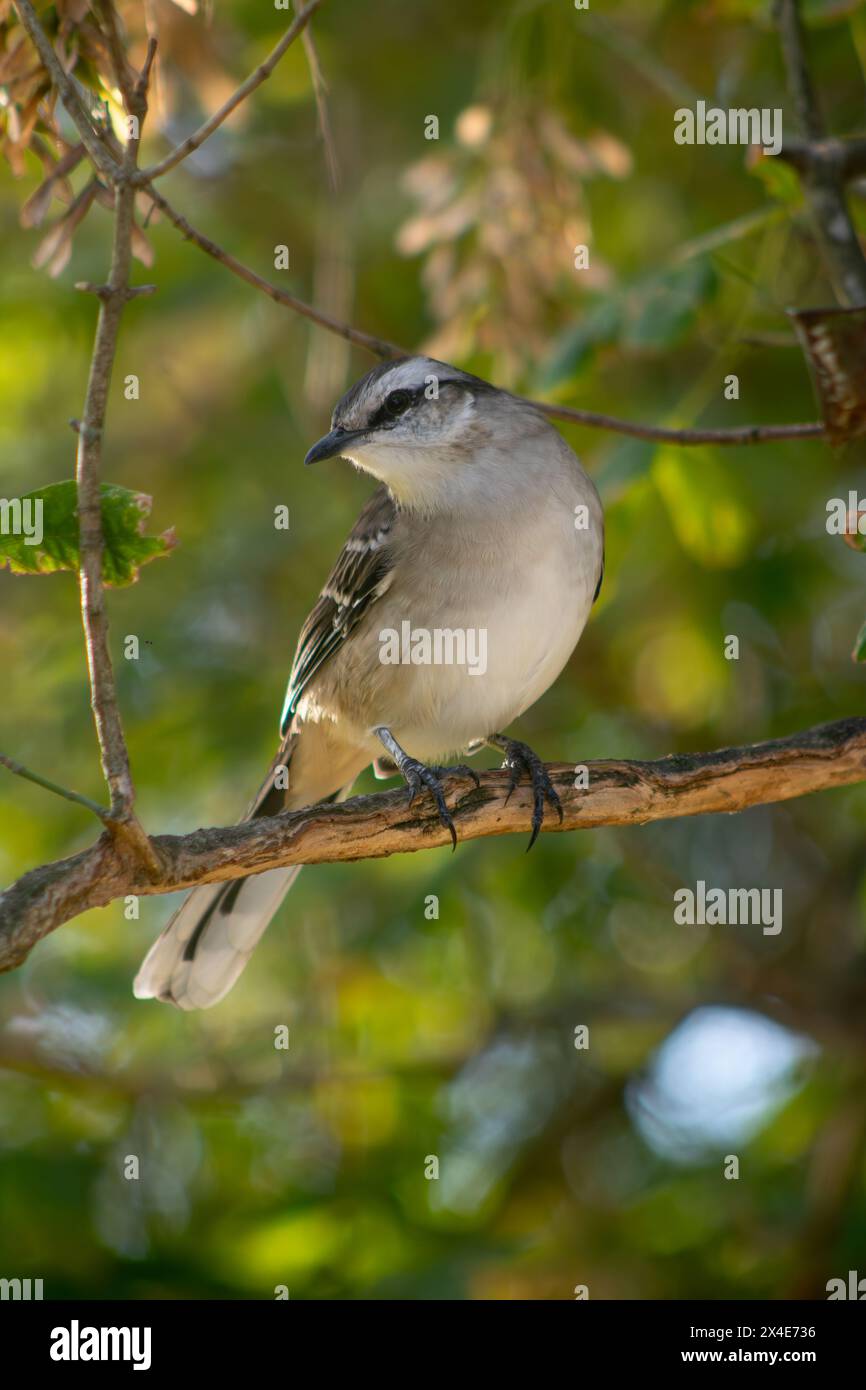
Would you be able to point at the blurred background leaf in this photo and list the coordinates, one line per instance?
(448, 1036)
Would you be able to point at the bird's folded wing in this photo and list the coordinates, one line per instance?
(362, 573)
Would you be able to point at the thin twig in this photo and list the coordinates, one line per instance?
(822, 179)
(123, 825)
(368, 827)
(383, 348)
(67, 90)
(741, 434)
(112, 301)
(790, 25)
(21, 771)
(320, 92)
(124, 75)
(192, 142)
(380, 347)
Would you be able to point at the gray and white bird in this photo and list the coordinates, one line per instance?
(484, 523)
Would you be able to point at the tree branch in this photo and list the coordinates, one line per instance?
(844, 156)
(112, 301)
(124, 75)
(67, 90)
(123, 828)
(262, 72)
(369, 827)
(822, 178)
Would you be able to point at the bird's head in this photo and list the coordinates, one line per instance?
(419, 426)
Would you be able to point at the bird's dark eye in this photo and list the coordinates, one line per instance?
(397, 402)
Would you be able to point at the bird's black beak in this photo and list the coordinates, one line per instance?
(332, 445)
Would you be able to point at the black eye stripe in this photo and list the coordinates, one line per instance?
(385, 414)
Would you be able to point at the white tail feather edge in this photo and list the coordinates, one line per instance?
(226, 941)
(225, 945)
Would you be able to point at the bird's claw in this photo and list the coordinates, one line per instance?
(419, 776)
(519, 758)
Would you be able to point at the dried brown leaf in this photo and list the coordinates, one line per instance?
(72, 11)
(16, 60)
(23, 80)
(14, 152)
(147, 211)
(37, 205)
(104, 196)
(51, 244)
(67, 56)
(49, 157)
(55, 248)
(94, 46)
(141, 247)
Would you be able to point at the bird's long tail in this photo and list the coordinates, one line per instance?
(206, 944)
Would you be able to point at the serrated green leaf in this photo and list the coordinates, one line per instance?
(126, 549)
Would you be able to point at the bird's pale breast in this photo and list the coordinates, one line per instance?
(507, 616)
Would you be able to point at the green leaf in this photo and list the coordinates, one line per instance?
(818, 12)
(705, 505)
(661, 309)
(51, 542)
(624, 464)
(574, 349)
(859, 652)
(654, 312)
(781, 181)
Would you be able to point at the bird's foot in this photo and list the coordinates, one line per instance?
(419, 777)
(519, 759)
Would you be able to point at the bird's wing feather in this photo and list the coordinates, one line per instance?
(356, 581)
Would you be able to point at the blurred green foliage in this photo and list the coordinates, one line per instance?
(414, 1036)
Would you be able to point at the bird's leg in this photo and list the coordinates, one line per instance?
(417, 775)
(520, 758)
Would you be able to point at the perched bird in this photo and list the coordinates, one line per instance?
(485, 526)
